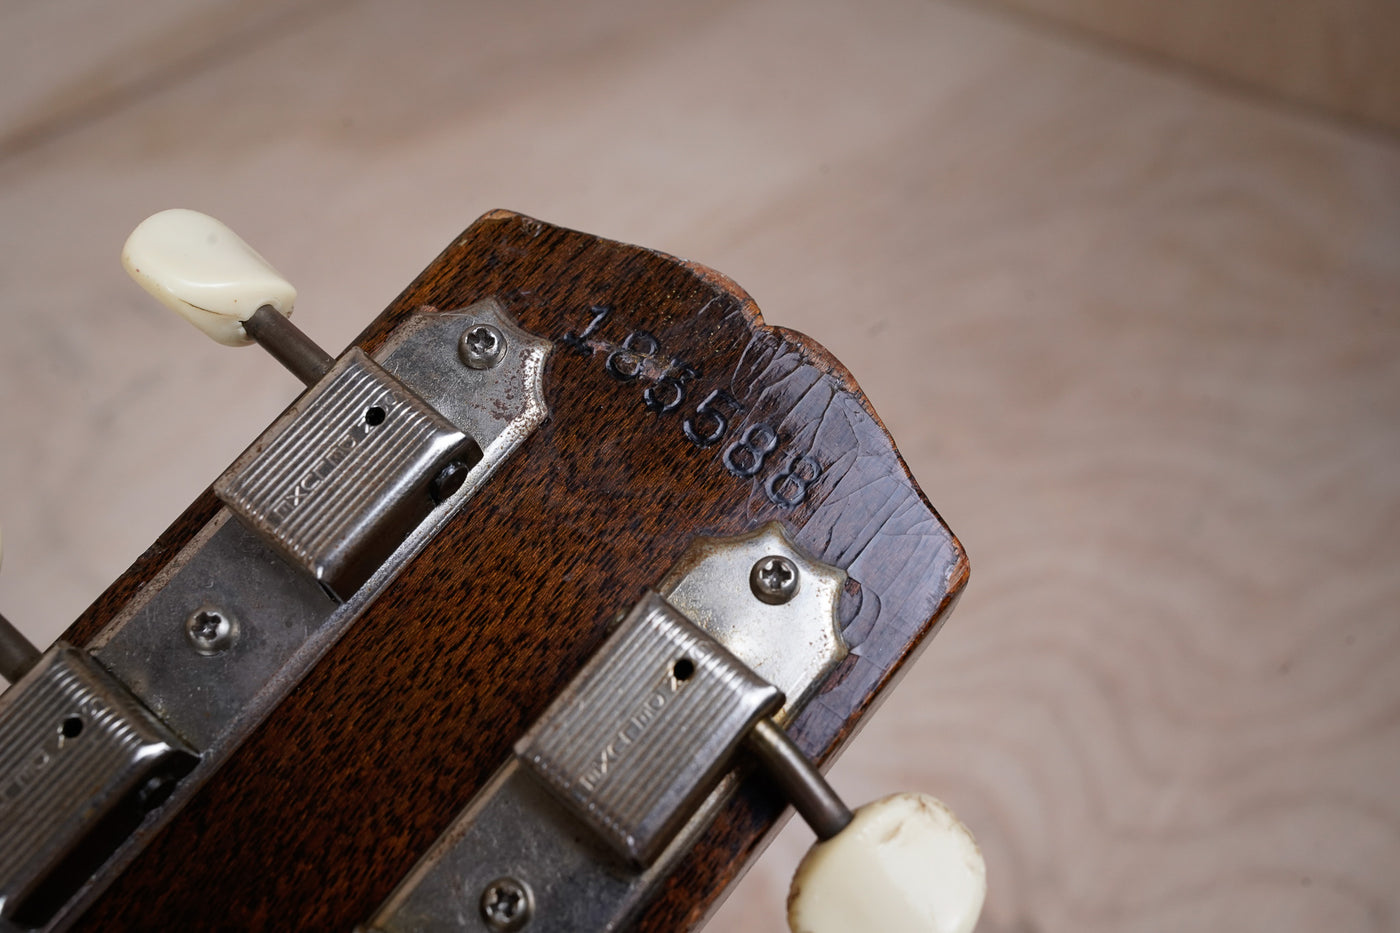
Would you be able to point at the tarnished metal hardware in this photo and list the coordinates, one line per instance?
(507, 904)
(285, 621)
(638, 738)
(481, 346)
(211, 630)
(81, 764)
(792, 643)
(555, 840)
(339, 480)
(499, 406)
(203, 694)
(449, 479)
(774, 579)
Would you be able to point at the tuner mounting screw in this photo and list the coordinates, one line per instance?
(211, 630)
(507, 904)
(774, 579)
(481, 346)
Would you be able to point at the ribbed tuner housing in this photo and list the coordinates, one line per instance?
(643, 732)
(81, 762)
(338, 482)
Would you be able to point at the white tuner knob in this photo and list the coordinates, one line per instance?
(904, 864)
(203, 271)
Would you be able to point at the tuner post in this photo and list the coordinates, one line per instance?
(288, 345)
(17, 653)
(810, 795)
(902, 864)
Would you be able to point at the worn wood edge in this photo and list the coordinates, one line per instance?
(826, 361)
(759, 810)
(814, 353)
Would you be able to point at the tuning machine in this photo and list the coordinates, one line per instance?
(610, 787)
(357, 463)
(201, 269)
(103, 742)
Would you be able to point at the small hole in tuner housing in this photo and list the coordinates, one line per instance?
(103, 837)
(683, 669)
(72, 727)
(375, 416)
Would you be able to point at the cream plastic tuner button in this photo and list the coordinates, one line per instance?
(904, 864)
(203, 271)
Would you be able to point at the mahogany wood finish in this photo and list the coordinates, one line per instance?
(330, 801)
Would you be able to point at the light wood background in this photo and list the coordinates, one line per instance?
(1338, 56)
(1137, 333)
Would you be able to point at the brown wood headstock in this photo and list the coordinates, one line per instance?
(675, 412)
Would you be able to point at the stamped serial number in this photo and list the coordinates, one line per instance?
(787, 475)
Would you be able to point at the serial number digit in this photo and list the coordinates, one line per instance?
(578, 342)
(709, 425)
(626, 364)
(789, 487)
(757, 442)
(667, 394)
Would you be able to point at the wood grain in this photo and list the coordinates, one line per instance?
(1135, 334)
(463, 651)
(1334, 55)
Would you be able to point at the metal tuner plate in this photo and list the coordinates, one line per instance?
(629, 764)
(320, 514)
(81, 763)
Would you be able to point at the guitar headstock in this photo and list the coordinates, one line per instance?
(672, 415)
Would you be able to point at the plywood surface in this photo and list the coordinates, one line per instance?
(1338, 56)
(1171, 696)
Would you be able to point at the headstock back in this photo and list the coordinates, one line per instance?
(675, 412)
